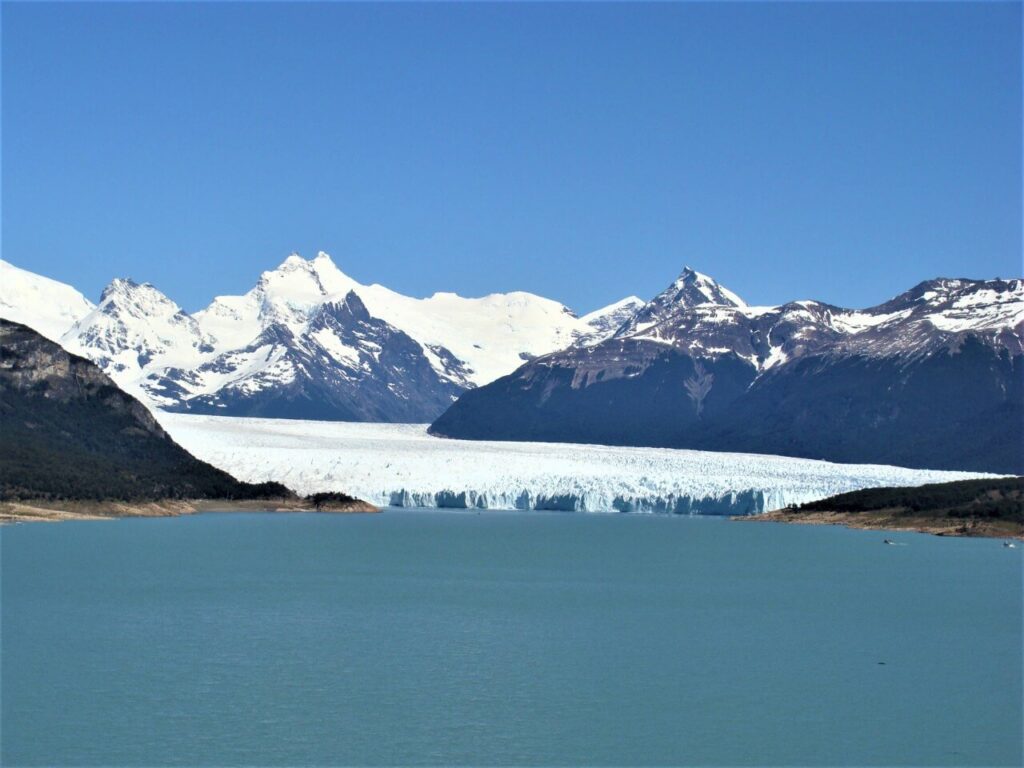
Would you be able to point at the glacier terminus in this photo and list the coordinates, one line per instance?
(401, 465)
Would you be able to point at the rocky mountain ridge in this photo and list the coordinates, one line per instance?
(931, 378)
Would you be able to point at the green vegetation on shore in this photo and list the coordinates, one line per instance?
(330, 500)
(993, 507)
(996, 499)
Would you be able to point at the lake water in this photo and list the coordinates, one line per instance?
(505, 638)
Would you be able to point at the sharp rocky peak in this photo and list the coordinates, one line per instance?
(693, 288)
(348, 308)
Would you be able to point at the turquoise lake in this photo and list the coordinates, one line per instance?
(446, 638)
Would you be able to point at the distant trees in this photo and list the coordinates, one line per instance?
(321, 500)
(84, 450)
(1000, 498)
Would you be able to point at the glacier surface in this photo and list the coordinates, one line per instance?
(401, 465)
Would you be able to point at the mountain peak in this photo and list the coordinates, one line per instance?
(295, 261)
(118, 285)
(124, 288)
(135, 306)
(693, 288)
(318, 276)
(348, 308)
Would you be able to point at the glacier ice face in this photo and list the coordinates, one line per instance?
(401, 465)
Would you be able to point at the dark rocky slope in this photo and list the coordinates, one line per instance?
(68, 433)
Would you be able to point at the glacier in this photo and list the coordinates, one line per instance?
(401, 465)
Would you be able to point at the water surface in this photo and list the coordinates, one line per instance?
(504, 638)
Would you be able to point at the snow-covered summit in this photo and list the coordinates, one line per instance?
(307, 331)
(135, 327)
(491, 335)
(46, 305)
(288, 294)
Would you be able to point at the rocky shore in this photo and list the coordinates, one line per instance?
(56, 511)
(887, 521)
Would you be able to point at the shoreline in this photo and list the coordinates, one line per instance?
(31, 511)
(59, 511)
(965, 527)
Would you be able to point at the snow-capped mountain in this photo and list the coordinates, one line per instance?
(307, 341)
(489, 336)
(135, 329)
(606, 321)
(340, 364)
(48, 306)
(691, 289)
(939, 314)
(932, 378)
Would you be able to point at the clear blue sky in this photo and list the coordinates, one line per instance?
(583, 152)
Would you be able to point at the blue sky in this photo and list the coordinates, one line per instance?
(583, 152)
